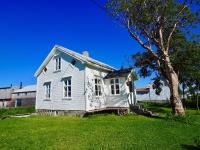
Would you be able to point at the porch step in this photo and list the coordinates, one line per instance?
(141, 111)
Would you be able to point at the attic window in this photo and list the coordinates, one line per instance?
(73, 62)
(58, 63)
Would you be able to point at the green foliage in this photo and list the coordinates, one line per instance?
(191, 103)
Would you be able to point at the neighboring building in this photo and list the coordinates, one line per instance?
(25, 96)
(70, 82)
(148, 94)
(6, 96)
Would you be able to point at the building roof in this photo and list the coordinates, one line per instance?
(118, 73)
(8, 87)
(142, 89)
(5, 92)
(80, 57)
(29, 88)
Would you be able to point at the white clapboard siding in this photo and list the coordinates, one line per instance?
(120, 100)
(93, 102)
(77, 74)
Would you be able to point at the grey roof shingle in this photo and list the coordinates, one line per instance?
(118, 73)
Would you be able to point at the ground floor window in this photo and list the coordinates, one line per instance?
(67, 88)
(115, 90)
(98, 86)
(47, 90)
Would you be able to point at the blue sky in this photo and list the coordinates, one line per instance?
(30, 28)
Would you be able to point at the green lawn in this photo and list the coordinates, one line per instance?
(98, 132)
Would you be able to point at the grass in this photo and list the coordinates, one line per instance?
(99, 132)
(14, 111)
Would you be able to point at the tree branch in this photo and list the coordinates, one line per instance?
(174, 28)
(139, 40)
(170, 36)
(161, 39)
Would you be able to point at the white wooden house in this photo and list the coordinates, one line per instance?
(71, 82)
(148, 93)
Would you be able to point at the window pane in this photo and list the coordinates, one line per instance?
(69, 82)
(116, 80)
(112, 91)
(95, 81)
(111, 81)
(69, 94)
(59, 65)
(69, 88)
(65, 93)
(99, 81)
(96, 88)
(99, 88)
(65, 82)
(117, 91)
(96, 93)
(112, 87)
(117, 86)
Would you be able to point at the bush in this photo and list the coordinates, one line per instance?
(191, 103)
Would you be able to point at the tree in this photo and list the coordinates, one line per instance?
(187, 63)
(152, 23)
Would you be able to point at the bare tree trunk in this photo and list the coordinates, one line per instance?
(176, 103)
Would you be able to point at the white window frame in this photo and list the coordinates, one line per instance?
(99, 86)
(115, 84)
(67, 86)
(58, 61)
(47, 88)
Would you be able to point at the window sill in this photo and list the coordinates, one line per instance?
(57, 71)
(115, 94)
(47, 99)
(66, 98)
(98, 96)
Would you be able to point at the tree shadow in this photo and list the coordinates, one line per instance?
(157, 110)
(190, 147)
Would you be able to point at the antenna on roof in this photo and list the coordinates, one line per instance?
(20, 85)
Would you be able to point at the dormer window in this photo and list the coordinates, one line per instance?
(58, 63)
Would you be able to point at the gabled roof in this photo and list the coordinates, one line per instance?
(118, 73)
(80, 57)
(29, 88)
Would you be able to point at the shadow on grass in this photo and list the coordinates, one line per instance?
(190, 147)
(157, 109)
